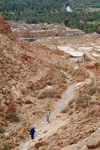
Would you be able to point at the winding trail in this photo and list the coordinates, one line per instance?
(42, 125)
(67, 96)
(52, 127)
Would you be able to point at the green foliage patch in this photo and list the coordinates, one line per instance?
(12, 117)
(51, 11)
(49, 93)
(4, 146)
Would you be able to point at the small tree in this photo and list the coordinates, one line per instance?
(84, 56)
(98, 29)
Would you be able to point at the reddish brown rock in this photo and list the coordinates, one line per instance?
(25, 57)
(11, 108)
(4, 26)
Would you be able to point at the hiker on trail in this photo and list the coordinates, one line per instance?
(47, 117)
(32, 131)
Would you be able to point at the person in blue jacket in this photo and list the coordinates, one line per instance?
(32, 131)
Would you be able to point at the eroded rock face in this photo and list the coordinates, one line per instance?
(4, 26)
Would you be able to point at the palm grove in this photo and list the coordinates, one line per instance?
(52, 11)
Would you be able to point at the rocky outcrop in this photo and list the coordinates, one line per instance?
(4, 26)
(94, 140)
(11, 108)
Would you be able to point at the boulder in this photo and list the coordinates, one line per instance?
(93, 143)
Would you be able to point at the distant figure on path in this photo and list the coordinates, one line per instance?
(32, 131)
(47, 117)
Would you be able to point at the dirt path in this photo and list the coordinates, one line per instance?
(51, 127)
(67, 96)
(54, 124)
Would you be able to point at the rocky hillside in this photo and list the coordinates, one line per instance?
(77, 126)
(34, 79)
